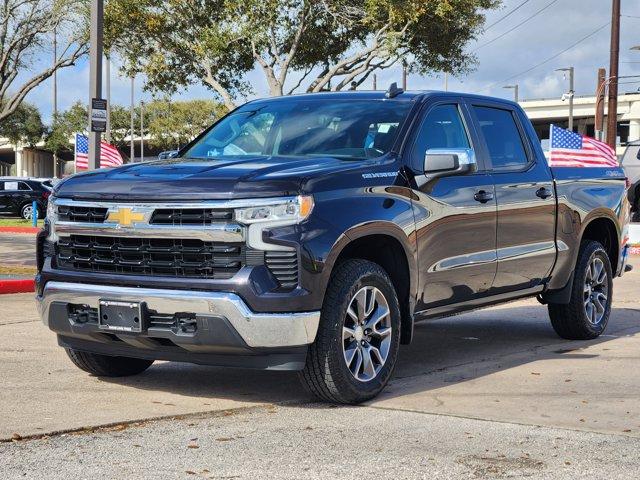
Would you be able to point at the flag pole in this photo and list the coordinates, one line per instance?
(75, 153)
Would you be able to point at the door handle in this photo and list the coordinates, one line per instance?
(483, 196)
(543, 193)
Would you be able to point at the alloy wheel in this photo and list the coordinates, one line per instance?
(596, 291)
(366, 333)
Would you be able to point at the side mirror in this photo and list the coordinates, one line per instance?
(441, 162)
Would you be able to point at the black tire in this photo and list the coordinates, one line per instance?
(326, 374)
(570, 320)
(107, 366)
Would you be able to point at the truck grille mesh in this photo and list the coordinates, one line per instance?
(75, 213)
(191, 216)
(150, 256)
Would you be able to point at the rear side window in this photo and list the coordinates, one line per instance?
(502, 136)
(23, 186)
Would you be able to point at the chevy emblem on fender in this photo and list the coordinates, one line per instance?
(125, 217)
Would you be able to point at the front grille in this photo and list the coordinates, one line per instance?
(150, 256)
(284, 266)
(191, 216)
(75, 213)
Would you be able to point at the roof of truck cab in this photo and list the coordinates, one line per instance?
(407, 96)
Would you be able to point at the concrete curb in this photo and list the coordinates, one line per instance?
(17, 286)
(31, 230)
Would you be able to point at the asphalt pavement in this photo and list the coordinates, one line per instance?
(488, 394)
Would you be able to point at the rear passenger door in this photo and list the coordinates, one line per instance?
(526, 203)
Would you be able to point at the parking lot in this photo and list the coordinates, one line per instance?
(488, 394)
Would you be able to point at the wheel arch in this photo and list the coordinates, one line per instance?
(388, 246)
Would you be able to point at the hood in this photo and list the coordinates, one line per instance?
(183, 179)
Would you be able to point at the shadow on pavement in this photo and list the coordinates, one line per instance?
(457, 349)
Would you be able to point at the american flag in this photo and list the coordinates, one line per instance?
(569, 149)
(109, 155)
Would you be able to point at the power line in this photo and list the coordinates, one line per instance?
(517, 26)
(550, 58)
(507, 15)
(630, 16)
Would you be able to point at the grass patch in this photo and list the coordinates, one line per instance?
(18, 222)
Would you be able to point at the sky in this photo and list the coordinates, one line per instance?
(505, 60)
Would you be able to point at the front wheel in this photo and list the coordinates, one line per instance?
(107, 366)
(586, 315)
(358, 338)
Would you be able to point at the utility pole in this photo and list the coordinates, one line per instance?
(404, 74)
(446, 81)
(132, 155)
(515, 87)
(612, 114)
(108, 85)
(571, 71)
(95, 74)
(375, 82)
(55, 95)
(599, 120)
(141, 131)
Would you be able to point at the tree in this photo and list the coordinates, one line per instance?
(174, 124)
(26, 30)
(23, 126)
(310, 45)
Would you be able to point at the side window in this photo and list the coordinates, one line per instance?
(441, 128)
(23, 186)
(502, 137)
(11, 186)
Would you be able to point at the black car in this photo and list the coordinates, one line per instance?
(17, 196)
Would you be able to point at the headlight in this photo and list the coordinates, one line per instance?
(278, 213)
(51, 218)
(291, 210)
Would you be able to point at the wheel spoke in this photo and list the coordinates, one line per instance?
(368, 370)
(350, 353)
(377, 316)
(374, 352)
(358, 363)
(600, 302)
(347, 333)
(383, 332)
(361, 300)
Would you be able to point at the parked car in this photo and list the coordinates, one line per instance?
(311, 232)
(167, 154)
(631, 164)
(17, 195)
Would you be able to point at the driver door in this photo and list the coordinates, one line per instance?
(455, 214)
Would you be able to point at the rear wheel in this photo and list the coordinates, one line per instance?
(587, 314)
(358, 339)
(107, 366)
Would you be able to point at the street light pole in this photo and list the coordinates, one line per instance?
(132, 156)
(571, 93)
(141, 131)
(108, 86)
(95, 75)
(515, 87)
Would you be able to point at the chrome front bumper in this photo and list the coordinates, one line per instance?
(258, 330)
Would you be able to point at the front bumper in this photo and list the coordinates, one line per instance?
(221, 324)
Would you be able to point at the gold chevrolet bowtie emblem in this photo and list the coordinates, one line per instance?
(125, 217)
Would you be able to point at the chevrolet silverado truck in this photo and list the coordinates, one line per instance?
(311, 233)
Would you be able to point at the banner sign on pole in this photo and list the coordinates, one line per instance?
(98, 115)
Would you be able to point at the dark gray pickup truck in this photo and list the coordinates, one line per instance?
(311, 232)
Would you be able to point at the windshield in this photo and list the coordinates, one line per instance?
(349, 129)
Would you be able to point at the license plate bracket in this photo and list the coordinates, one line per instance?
(120, 316)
